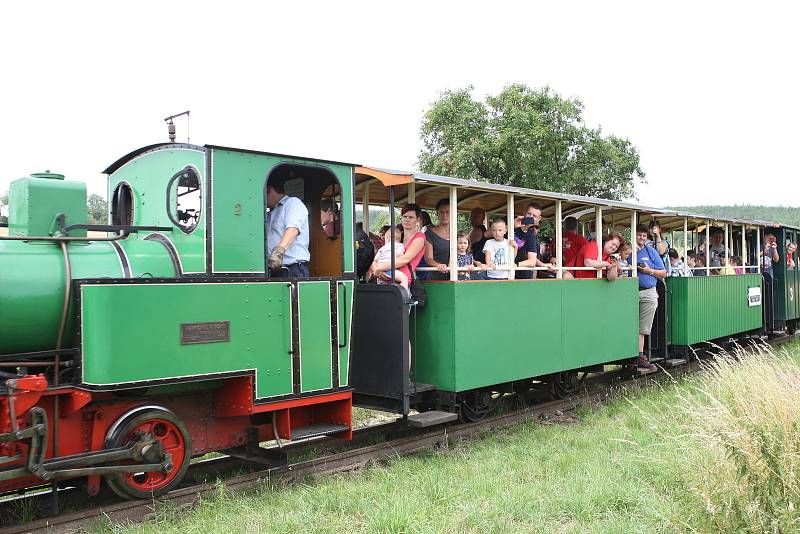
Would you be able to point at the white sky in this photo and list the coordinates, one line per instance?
(708, 92)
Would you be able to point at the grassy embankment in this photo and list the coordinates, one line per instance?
(711, 453)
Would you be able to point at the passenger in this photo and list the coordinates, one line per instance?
(525, 236)
(717, 247)
(384, 255)
(587, 257)
(769, 256)
(496, 251)
(479, 234)
(726, 266)
(651, 269)
(659, 243)
(364, 249)
(736, 263)
(625, 260)
(287, 233)
(791, 248)
(413, 241)
(425, 222)
(590, 231)
(571, 242)
(329, 217)
(676, 267)
(437, 246)
(547, 257)
(699, 264)
(465, 259)
(376, 239)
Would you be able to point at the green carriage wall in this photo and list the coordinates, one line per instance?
(710, 307)
(148, 176)
(787, 280)
(475, 334)
(238, 180)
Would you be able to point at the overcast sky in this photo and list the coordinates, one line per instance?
(708, 92)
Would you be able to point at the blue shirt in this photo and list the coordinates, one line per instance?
(289, 212)
(649, 256)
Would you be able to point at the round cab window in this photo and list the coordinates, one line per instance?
(184, 201)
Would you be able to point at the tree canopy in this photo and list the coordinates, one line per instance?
(97, 209)
(528, 138)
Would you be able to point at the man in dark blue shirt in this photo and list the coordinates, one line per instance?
(650, 269)
(527, 242)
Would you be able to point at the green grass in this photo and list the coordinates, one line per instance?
(643, 463)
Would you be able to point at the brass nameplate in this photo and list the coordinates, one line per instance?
(205, 332)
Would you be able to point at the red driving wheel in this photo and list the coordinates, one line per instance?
(164, 426)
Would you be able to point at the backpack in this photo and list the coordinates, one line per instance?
(365, 252)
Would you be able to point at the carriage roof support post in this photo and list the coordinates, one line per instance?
(391, 224)
(758, 249)
(743, 256)
(365, 208)
(510, 232)
(598, 236)
(453, 234)
(685, 238)
(559, 243)
(708, 247)
(634, 249)
(412, 193)
(727, 245)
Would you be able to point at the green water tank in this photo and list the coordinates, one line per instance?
(35, 201)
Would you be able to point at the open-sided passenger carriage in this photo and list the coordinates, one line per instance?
(477, 339)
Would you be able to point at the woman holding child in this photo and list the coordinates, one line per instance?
(413, 243)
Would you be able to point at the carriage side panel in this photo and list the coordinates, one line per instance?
(710, 307)
(477, 334)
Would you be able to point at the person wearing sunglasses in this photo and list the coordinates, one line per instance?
(526, 228)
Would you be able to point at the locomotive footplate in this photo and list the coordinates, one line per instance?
(143, 448)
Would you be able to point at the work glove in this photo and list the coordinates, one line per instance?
(275, 260)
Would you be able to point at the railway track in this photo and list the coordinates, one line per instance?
(358, 453)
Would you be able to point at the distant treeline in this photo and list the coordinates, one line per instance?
(781, 214)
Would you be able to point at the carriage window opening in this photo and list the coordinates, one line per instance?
(122, 205)
(184, 199)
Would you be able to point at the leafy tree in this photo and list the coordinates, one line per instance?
(97, 208)
(528, 138)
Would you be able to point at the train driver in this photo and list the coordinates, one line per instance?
(287, 233)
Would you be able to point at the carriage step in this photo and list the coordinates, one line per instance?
(432, 418)
(645, 371)
(421, 388)
(656, 359)
(675, 362)
(322, 429)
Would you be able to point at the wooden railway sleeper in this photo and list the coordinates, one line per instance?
(144, 448)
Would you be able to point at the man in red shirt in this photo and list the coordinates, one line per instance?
(587, 257)
(572, 242)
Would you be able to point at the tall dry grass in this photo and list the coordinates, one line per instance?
(739, 439)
